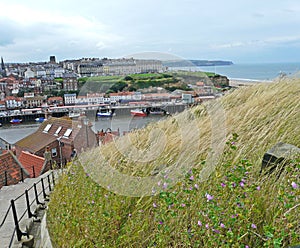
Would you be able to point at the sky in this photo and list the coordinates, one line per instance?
(241, 31)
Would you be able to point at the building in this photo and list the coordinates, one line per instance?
(70, 99)
(2, 68)
(58, 136)
(11, 170)
(70, 82)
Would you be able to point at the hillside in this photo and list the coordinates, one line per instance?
(170, 81)
(190, 181)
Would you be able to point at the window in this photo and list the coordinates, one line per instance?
(57, 131)
(68, 132)
(54, 152)
(47, 128)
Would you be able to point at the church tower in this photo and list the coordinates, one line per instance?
(3, 71)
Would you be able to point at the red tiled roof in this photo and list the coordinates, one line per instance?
(10, 166)
(29, 160)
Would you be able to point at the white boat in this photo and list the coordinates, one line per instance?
(105, 113)
(74, 115)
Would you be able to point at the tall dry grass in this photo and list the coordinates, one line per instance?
(187, 181)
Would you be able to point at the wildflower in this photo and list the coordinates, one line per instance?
(183, 205)
(199, 223)
(129, 215)
(196, 186)
(233, 184)
(223, 185)
(242, 184)
(165, 185)
(216, 231)
(191, 188)
(161, 223)
(207, 226)
(191, 178)
(258, 187)
(295, 185)
(222, 225)
(93, 202)
(247, 246)
(253, 226)
(209, 197)
(87, 174)
(154, 205)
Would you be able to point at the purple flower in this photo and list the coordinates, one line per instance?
(253, 226)
(154, 205)
(209, 197)
(222, 225)
(223, 185)
(129, 215)
(183, 205)
(216, 231)
(242, 184)
(295, 185)
(161, 223)
(199, 223)
(233, 184)
(93, 202)
(196, 186)
(191, 188)
(165, 185)
(207, 226)
(247, 246)
(258, 187)
(192, 178)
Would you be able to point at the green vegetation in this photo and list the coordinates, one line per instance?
(234, 207)
(170, 81)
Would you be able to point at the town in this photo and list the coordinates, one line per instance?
(50, 84)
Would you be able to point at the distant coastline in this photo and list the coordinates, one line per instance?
(187, 63)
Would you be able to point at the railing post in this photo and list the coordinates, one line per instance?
(28, 205)
(33, 171)
(53, 180)
(6, 181)
(37, 196)
(43, 187)
(18, 231)
(22, 176)
(49, 182)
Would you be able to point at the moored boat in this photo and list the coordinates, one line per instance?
(40, 119)
(139, 112)
(106, 113)
(158, 111)
(16, 121)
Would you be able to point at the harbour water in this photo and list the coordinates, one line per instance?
(13, 133)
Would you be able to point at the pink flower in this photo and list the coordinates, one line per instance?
(258, 187)
(295, 185)
(199, 223)
(207, 226)
(223, 185)
(196, 186)
(183, 205)
(154, 205)
(209, 197)
(192, 178)
(253, 226)
(242, 184)
(222, 225)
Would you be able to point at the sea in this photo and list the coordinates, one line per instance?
(248, 72)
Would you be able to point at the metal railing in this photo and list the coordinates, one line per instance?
(32, 197)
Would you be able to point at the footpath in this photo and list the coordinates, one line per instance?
(8, 236)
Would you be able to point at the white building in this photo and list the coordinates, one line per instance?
(70, 99)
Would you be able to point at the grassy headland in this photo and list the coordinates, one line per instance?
(210, 193)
